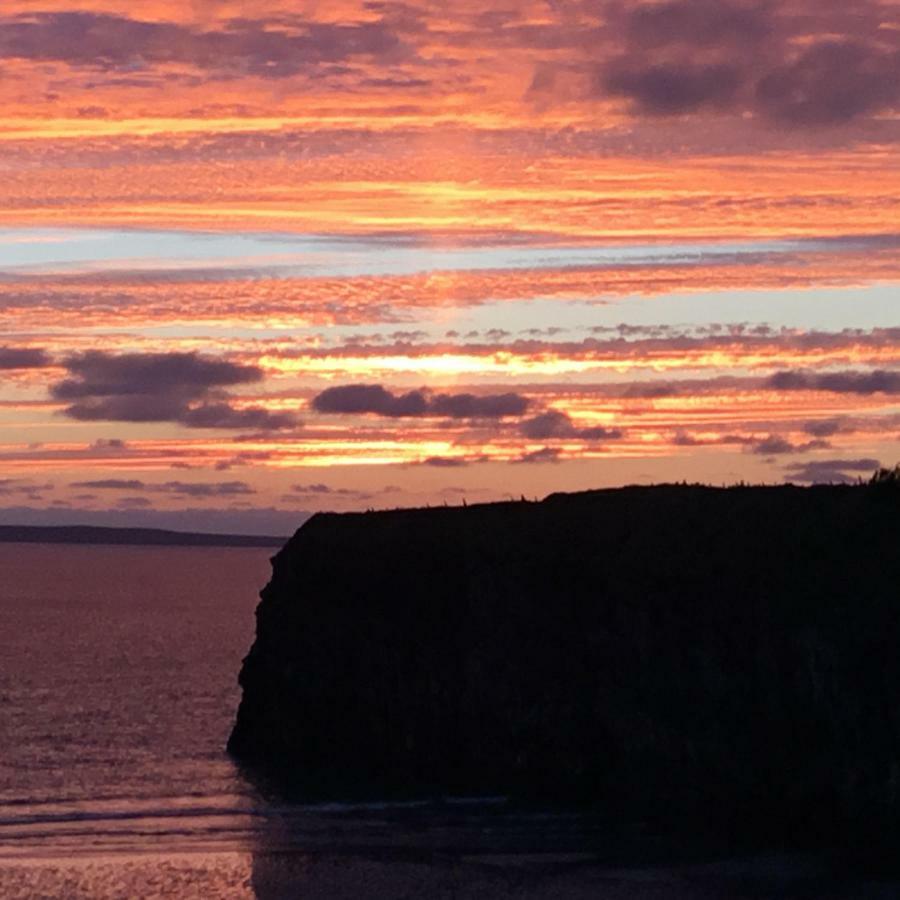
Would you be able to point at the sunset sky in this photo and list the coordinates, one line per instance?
(260, 258)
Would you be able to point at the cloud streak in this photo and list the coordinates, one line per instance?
(23, 358)
(270, 49)
(194, 489)
(555, 424)
(776, 445)
(374, 399)
(886, 381)
(184, 388)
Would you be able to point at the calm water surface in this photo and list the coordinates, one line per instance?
(118, 688)
(117, 692)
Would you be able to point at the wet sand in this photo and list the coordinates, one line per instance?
(339, 876)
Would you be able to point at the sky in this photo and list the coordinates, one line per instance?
(263, 258)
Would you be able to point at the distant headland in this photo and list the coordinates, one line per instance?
(90, 534)
(675, 652)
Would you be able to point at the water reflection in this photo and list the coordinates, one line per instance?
(490, 849)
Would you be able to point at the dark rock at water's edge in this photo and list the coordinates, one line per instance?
(671, 653)
(154, 537)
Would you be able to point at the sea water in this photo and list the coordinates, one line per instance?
(118, 686)
(118, 689)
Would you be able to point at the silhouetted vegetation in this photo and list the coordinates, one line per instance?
(887, 476)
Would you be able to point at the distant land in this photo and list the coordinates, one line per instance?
(91, 534)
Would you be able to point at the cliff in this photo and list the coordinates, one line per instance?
(667, 652)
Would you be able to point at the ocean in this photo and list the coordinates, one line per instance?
(118, 689)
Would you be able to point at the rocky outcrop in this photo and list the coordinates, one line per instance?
(668, 651)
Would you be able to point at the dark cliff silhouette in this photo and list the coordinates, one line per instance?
(668, 653)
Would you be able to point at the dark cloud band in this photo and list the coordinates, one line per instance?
(373, 399)
(878, 381)
(184, 388)
(23, 358)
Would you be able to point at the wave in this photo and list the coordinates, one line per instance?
(41, 827)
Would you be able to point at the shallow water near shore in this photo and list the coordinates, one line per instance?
(118, 688)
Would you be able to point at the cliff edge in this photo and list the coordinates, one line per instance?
(671, 651)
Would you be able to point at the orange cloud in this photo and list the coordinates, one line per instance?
(680, 122)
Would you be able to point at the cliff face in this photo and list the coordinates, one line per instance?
(668, 650)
